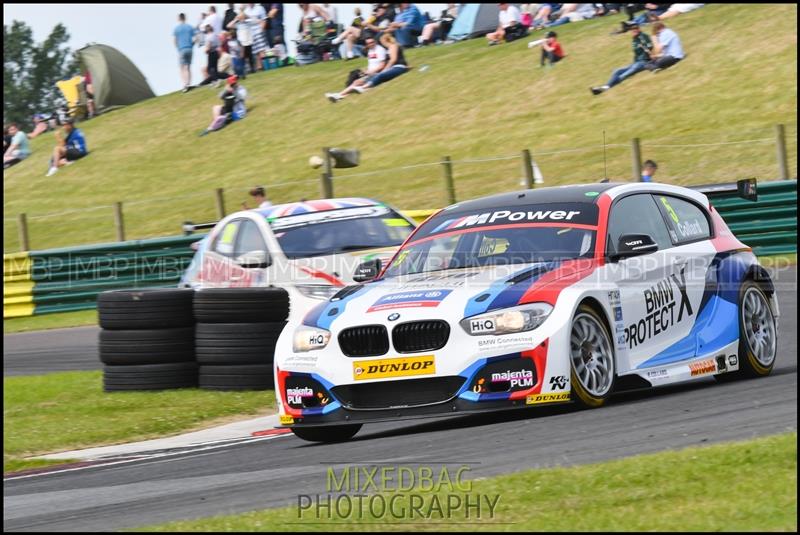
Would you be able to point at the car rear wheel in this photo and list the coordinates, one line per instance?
(334, 433)
(591, 358)
(758, 334)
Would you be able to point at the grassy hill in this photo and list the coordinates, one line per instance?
(474, 101)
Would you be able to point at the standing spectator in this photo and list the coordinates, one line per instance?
(259, 196)
(236, 51)
(439, 29)
(667, 48)
(275, 17)
(649, 169)
(510, 26)
(230, 14)
(213, 20)
(184, 42)
(244, 36)
(212, 52)
(407, 25)
(71, 146)
(376, 61)
(18, 148)
(257, 19)
(552, 52)
(280, 52)
(642, 46)
(233, 106)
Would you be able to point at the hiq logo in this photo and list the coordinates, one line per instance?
(316, 339)
(481, 326)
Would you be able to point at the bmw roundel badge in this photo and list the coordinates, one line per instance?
(393, 316)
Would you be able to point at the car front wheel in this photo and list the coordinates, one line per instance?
(591, 359)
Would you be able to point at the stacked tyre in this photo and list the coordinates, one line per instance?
(235, 334)
(147, 339)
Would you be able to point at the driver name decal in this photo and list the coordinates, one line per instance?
(664, 307)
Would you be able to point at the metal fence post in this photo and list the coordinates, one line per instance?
(219, 197)
(326, 178)
(527, 168)
(119, 223)
(636, 152)
(780, 143)
(24, 241)
(449, 186)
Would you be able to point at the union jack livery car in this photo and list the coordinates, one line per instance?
(537, 297)
(309, 248)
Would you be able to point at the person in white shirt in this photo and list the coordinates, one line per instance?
(377, 57)
(259, 196)
(510, 26)
(214, 20)
(667, 48)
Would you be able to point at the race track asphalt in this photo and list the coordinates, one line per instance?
(272, 473)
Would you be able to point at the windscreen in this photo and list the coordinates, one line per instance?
(519, 235)
(339, 231)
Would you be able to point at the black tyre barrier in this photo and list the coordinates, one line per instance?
(241, 305)
(145, 309)
(150, 377)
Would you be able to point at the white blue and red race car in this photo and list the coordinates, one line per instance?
(309, 248)
(536, 297)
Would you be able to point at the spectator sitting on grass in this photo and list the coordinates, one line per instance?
(407, 25)
(232, 108)
(17, 149)
(236, 50)
(395, 66)
(667, 48)
(542, 16)
(351, 35)
(678, 9)
(649, 169)
(376, 61)
(552, 52)
(510, 26)
(279, 51)
(71, 146)
(259, 196)
(41, 124)
(642, 46)
(574, 13)
(438, 30)
(224, 66)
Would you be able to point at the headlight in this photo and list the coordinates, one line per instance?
(509, 320)
(309, 338)
(318, 291)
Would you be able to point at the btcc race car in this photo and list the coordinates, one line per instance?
(309, 248)
(537, 297)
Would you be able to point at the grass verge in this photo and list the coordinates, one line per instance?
(58, 320)
(739, 486)
(65, 411)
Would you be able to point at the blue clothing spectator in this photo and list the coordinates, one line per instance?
(408, 24)
(649, 169)
(184, 42)
(72, 148)
(642, 46)
(274, 23)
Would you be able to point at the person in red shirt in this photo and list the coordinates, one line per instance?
(551, 49)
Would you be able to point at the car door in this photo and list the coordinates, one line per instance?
(647, 295)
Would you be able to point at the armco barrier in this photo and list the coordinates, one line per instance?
(768, 225)
(59, 280)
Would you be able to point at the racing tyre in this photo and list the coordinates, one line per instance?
(256, 377)
(758, 334)
(145, 309)
(150, 377)
(236, 343)
(241, 305)
(146, 346)
(593, 370)
(334, 433)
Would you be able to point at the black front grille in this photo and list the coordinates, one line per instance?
(416, 336)
(396, 394)
(364, 341)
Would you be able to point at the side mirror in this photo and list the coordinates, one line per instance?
(635, 245)
(367, 271)
(254, 259)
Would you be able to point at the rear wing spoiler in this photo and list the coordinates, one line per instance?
(747, 188)
(189, 228)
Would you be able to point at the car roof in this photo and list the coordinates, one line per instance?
(585, 193)
(319, 205)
